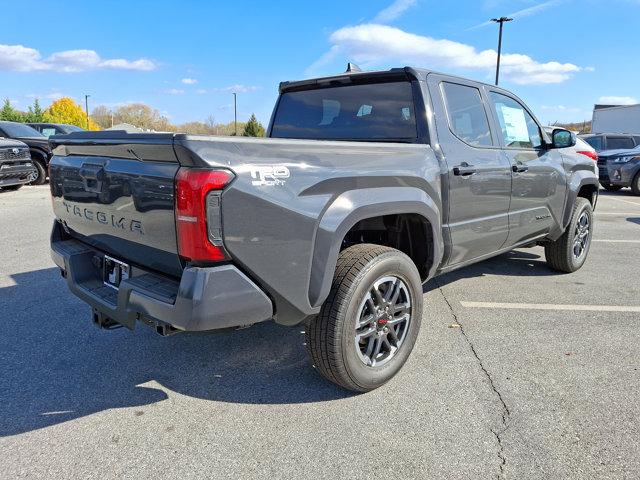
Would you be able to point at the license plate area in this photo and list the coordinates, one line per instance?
(114, 271)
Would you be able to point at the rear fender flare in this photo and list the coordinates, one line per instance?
(578, 180)
(353, 206)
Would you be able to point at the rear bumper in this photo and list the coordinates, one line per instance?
(203, 299)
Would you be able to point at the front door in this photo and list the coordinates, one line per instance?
(539, 186)
(478, 178)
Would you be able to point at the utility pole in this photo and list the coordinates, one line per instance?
(86, 108)
(501, 21)
(235, 113)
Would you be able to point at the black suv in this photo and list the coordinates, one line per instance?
(611, 141)
(48, 129)
(38, 146)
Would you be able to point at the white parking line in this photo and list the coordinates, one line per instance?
(618, 213)
(620, 200)
(615, 241)
(551, 306)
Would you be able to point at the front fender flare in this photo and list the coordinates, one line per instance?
(353, 206)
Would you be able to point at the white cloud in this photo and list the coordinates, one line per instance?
(189, 81)
(561, 108)
(372, 45)
(238, 89)
(173, 91)
(527, 12)
(617, 101)
(201, 91)
(55, 95)
(393, 11)
(18, 58)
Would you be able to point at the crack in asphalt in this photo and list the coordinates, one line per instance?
(505, 414)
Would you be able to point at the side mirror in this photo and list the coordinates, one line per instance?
(563, 138)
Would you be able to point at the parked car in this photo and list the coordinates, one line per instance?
(48, 129)
(581, 147)
(620, 168)
(369, 185)
(38, 146)
(16, 168)
(611, 141)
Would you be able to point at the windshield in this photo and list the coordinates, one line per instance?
(72, 128)
(19, 130)
(380, 111)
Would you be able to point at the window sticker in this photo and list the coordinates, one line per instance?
(515, 124)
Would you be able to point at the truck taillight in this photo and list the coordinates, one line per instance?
(198, 216)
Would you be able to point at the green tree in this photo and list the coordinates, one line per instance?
(35, 113)
(9, 113)
(253, 128)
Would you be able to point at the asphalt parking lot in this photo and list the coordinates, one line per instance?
(518, 373)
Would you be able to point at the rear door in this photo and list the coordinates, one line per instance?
(478, 175)
(539, 185)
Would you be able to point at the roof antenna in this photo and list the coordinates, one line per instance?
(353, 68)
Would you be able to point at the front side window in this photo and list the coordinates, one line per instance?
(519, 129)
(466, 113)
(376, 111)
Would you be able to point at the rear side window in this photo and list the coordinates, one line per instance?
(519, 129)
(380, 111)
(620, 143)
(595, 142)
(466, 113)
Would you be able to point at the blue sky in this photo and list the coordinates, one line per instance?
(185, 58)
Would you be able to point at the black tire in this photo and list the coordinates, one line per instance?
(331, 336)
(12, 188)
(635, 184)
(561, 254)
(611, 188)
(42, 172)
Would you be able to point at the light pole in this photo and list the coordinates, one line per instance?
(235, 114)
(86, 108)
(501, 21)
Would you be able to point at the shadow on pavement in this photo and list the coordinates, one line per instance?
(514, 263)
(635, 220)
(55, 366)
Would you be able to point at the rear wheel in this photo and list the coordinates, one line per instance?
(569, 252)
(368, 325)
(611, 188)
(41, 172)
(635, 184)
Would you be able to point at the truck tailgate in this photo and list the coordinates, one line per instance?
(114, 199)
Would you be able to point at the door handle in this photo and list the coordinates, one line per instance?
(519, 168)
(464, 170)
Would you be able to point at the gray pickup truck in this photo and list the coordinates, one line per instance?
(368, 185)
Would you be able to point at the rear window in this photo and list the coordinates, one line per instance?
(19, 130)
(620, 143)
(380, 111)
